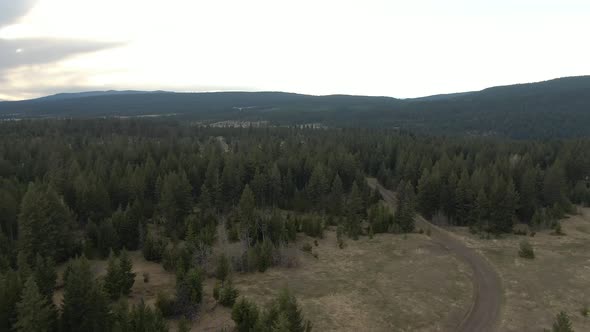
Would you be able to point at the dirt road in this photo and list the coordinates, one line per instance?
(487, 298)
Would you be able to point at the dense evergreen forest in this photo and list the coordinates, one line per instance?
(73, 190)
(551, 109)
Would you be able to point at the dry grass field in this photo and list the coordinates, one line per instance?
(406, 283)
(557, 279)
(388, 283)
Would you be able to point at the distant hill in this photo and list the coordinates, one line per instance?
(76, 95)
(555, 108)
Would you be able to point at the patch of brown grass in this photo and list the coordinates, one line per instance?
(557, 279)
(382, 284)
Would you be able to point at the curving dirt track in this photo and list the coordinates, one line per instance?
(487, 286)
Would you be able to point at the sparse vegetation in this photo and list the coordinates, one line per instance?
(562, 323)
(557, 229)
(282, 314)
(585, 311)
(526, 250)
(306, 247)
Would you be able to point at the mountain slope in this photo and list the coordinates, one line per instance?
(555, 108)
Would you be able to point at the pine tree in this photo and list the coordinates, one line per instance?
(274, 186)
(126, 271)
(189, 292)
(45, 275)
(119, 278)
(287, 304)
(223, 268)
(120, 316)
(528, 194)
(428, 193)
(282, 323)
(246, 213)
(44, 224)
(336, 196)
(554, 186)
(126, 225)
(85, 305)
(108, 238)
(406, 208)
(481, 210)
(245, 314)
(112, 282)
(317, 187)
(34, 311)
(175, 200)
(259, 187)
(464, 200)
(8, 214)
(143, 319)
(10, 294)
(562, 323)
(355, 202)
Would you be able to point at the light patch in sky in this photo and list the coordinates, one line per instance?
(370, 47)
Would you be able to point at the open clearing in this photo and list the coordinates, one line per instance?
(388, 283)
(484, 312)
(557, 279)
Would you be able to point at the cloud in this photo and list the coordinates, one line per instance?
(23, 52)
(12, 10)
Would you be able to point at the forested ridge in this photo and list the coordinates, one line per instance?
(551, 109)
(72, 190)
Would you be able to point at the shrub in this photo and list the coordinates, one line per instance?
(184, 325)
(313, 227)
(307, 247)
(245, 314)
(339, 233)
(228, 294)
(165, 304)
(520, 229)
(153, 248)
(223, 268)
(286, 257)
(264, 253)
(526, 250)
(585, 311)
(146, 277)
(557, 229)
(217, 289)
(284, 314)
(189, 292)
(250, 260)
(562, 323)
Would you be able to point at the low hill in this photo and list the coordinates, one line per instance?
(555, 108)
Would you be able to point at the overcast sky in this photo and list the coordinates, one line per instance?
(370, 47)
